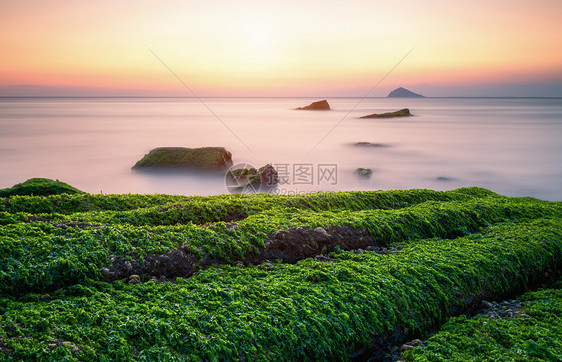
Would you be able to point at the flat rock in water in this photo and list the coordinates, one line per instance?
(369, 144)
(204, 158)
(316, 106)
(405, 112)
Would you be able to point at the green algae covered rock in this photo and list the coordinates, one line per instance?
(203, 158)
(405, 112)
(39, 187)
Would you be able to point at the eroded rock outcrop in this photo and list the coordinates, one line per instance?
(316, 106)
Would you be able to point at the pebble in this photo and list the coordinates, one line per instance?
(406, 347)
(71, 345)
(321, 230)
(416, 343)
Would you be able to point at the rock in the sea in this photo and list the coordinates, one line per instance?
(405, 112)
(268, 175)
(316, 106)
(204, 158)
(363, 172)
(265, 177)
(403, 93)
(369, 144)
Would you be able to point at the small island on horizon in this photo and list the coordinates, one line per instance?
(403, 93)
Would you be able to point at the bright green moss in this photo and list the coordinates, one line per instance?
(308, 311)
(455, 245)
(389, 217)
(537, 337)
(205, 158)
(40, 187)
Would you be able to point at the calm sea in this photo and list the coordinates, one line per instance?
(511, 146)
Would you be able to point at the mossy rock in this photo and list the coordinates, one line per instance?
(39, 187)
(241, 178)
(204, 158)
(405, 112)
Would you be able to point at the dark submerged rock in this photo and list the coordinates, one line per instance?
(204, 158)
(363, 172)
(405, 112)
(369, 144)
(316, 106)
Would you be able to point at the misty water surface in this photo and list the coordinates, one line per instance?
(511, 146)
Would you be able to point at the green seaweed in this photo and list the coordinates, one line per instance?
(40, 187)
(205, 158)
(453, 247)
(535, 334)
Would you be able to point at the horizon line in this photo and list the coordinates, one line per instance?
(271, 97)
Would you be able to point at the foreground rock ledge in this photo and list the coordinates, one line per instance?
(204, 158)
(316, 106)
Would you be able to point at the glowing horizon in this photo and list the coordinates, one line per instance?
(293, 48)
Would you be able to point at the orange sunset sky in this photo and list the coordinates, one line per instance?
(283, 48)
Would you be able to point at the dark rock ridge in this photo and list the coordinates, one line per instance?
(288, 245)
(297, 243)
(403, 93)
(369, 144)
(316, 106)
(405, 112)
(204, 158)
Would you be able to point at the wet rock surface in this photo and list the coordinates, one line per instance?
(505, 309)
(297, 243)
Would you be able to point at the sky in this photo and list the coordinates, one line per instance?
(291, 48)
